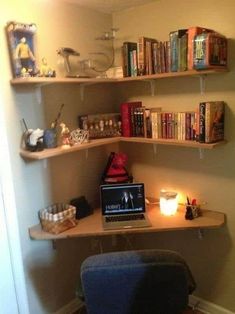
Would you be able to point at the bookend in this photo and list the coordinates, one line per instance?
(115, 171)
(83, 208)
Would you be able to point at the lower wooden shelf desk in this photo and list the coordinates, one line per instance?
(92, 225)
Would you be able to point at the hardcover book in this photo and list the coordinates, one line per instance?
(174, 50)
(182, 49)
(214, 121)
(192, 32)
(210, 50)
(127, 117)
(202, 111)
(142, 56)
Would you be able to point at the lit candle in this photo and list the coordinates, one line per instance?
(168, 202)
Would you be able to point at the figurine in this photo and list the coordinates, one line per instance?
(25, 55)
(65, 134)
(45, 69)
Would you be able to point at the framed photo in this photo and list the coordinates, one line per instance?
(20, 39)
(101, 125)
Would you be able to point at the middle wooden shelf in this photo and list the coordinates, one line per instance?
(61, 150)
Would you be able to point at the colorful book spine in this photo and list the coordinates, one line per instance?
(164, 125)
(202, 110)
(167, 55)
(182, 49)
(127, 49)
(174, 50)
(143, 57)
(210, 50)
(126, 117)
(214, 121)
(192, 32)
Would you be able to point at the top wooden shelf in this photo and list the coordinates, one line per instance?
(77, 80)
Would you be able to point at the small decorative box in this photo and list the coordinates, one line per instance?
(57, 218)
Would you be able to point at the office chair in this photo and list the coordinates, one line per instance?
(136, 282)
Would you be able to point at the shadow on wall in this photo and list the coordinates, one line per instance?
(55, 279)
(207, 257)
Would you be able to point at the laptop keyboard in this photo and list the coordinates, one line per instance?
(124, 218)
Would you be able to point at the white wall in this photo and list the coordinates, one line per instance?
(51, 275)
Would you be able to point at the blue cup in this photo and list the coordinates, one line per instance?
(50, 138)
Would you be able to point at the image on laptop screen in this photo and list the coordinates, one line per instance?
(122, 198)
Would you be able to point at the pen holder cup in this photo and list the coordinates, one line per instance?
(192, 211)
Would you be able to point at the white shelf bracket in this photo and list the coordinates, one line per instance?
(82, 88)
(201, 153)
(200, 234)
(54, 245)
(38, 94)
(152, 87)
(202, 79)
(155, 149)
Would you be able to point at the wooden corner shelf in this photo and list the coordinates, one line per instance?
(92, 225)
(61, 150)
(192, 144)
(58, 80)
(174, 74)
(69, 80)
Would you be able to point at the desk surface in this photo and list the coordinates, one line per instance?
(92, 225)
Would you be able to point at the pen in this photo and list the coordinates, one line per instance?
(188, 202)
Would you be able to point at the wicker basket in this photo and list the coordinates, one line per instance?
(57, 218)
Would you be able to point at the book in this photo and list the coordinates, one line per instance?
(167, 55)
(127, 49)
(133, 63)
(127, 117)
(182, 49)
(210, 50)
(143, 57)
(214, 121)
(202, 110)
(192, 32)
(174, 50)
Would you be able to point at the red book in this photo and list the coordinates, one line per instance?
(126, 109)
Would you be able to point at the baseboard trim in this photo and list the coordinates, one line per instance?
(71, 307)
(202, 305)
(207, 307)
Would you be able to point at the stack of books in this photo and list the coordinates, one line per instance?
(186, 49)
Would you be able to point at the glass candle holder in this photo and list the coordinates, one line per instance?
(168, 202)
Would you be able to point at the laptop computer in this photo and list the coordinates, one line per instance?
(123, 206)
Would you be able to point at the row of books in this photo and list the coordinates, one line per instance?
(186, 49)
(205, 125)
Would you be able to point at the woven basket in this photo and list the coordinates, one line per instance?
(57, 218)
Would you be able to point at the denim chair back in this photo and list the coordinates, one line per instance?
(136, 282)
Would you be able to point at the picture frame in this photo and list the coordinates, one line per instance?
(101, 125)
(20, 39)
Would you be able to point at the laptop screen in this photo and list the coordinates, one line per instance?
(122, 198)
